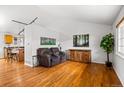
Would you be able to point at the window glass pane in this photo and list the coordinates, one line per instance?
(121, 32)
(121, 50)
(121, 42)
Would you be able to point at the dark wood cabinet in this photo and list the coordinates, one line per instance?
(79, 55)
(21, 55)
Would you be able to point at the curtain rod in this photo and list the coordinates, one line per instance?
(119, 23)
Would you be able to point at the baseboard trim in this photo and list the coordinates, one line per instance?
(98, 62)
(28, 65)
(118, 75)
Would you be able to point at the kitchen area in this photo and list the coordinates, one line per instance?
(12, 47)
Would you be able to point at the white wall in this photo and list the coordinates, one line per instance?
(32, 40)
(95, 31)
(118, 62)
(1, 45)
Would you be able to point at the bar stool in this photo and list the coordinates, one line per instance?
(9, 57)
(12, 55)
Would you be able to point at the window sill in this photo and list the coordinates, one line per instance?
(120, 55)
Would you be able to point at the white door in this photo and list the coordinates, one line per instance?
(1, 45)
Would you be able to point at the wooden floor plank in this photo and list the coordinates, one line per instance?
(67, 74)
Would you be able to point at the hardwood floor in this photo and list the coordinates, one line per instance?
(67, 74)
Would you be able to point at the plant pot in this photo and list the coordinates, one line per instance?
(108, 64)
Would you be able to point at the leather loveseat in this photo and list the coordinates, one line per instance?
(50, 57)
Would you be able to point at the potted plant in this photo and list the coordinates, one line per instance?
(107, 43)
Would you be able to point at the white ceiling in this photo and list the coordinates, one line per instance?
(94, 14)
(50, 16)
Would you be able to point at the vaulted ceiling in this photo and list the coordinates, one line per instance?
(56, 16)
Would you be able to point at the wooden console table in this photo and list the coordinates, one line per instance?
(79, 55)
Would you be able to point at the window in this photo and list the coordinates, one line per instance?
(120, 38)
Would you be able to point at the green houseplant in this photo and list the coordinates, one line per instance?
(107, 43)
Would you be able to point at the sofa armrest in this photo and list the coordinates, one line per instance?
(62, 53)
(44, 60)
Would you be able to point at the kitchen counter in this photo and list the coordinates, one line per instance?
(20, 52)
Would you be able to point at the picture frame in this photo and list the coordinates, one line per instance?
(47, 41)
(81, 40)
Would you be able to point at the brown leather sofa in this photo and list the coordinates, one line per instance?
(56, 51)
(50, 57)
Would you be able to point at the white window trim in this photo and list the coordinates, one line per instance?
(120, 55)
(117, 52)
